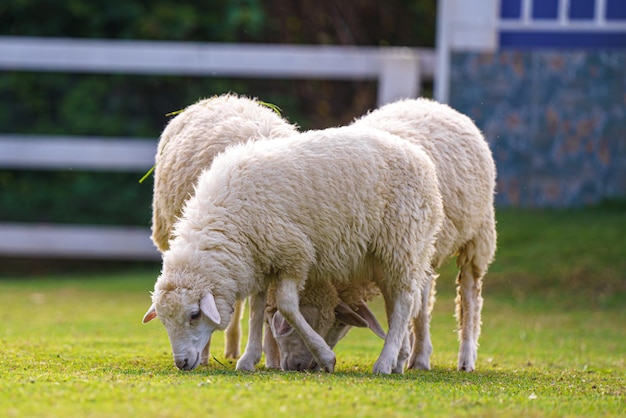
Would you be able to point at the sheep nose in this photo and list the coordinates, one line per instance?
(182, 364)
(293, 366)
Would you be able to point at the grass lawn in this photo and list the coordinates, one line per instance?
(553, 343)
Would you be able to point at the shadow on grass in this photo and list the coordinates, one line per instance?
(438, 375)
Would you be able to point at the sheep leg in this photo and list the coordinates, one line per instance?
(270, 347)
(399, 307)
(422, 344)
(287, 302)
(468, 307)
(473, 261)
(233, 331)
(252, 354)
(403, 355)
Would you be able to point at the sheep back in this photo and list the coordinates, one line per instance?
(465, 167)
(319, 202)
(190, 142)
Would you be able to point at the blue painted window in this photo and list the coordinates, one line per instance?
(547, 39)
(546, 12)
(581, 9)
(616, 10)
(545, 9)
(510, 9)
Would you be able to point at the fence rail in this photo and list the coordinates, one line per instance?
(76, 153)
(76, 241)
(398, 71)
(41, 152)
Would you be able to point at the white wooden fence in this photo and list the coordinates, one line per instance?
(74, 241)
(398, 71)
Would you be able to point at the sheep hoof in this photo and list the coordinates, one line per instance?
(383, 367)
(465, 368)
(246, 364)
(399, 369)
(272, 365)
(467, 362)
(233, 355)
(420, 364)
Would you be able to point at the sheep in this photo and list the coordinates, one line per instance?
(187, 146)
(341, 203)
(202, 130)
(466, 175)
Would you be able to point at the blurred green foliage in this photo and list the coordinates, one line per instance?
(74, 197)
(362, 22)
(135, 105)
(214, 20)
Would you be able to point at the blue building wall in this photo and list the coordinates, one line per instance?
(555, 120)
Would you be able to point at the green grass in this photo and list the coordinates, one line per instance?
(553, 343)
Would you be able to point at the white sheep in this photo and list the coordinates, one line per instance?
(466, 175)
(341, 203)
(187, 146)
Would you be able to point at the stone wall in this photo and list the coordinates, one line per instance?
(555, 121)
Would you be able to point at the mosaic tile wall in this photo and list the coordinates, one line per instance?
(555, 121)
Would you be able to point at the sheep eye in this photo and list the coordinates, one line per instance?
(195, 316)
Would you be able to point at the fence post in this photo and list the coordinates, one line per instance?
(399, 77)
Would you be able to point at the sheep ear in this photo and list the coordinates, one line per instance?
(208, 307)
(280, 326)
(346, 315)
(372, 323)
(150, 314)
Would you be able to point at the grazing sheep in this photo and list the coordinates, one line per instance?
(466, 175)
(341, 203)
(187, 146)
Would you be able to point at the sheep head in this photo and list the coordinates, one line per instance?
(189, 319)
(294, 355)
